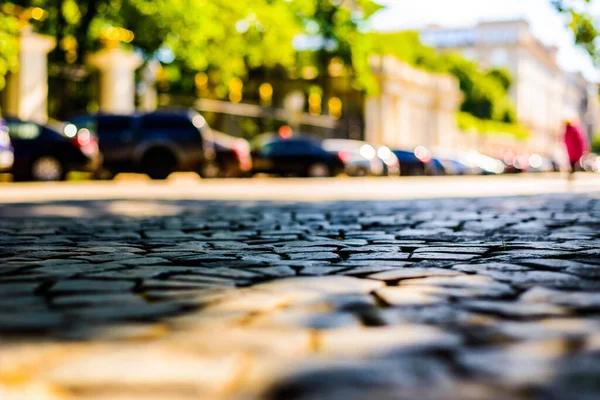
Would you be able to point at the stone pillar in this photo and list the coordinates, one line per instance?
(293, 104)
(148, 97)
(117, 79)
(373, 119)
(27, 89)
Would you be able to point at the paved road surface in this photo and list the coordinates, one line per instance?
(472, 298)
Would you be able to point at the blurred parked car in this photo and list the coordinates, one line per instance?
(591, 162)
(435, 167)
(48, 152)
(515, 163)
(410, 165)
(469, 162)
(455, 167)
(297, 155)
(360, 158)
(538, 163)
(391, 164)
(156, 143)
(6, 151)
(233, 157)
(488, 165)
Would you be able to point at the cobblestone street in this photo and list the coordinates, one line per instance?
(465, 298)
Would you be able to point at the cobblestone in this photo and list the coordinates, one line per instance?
(493, 298)
(87, 285)
(408, 273)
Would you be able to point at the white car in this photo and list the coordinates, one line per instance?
(360, 158)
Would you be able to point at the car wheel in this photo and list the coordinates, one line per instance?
(158, 164)
(210, 170)
(319, 170)
(361, 172)
(104, 174)
(46, 169)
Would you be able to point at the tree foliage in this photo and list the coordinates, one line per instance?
(502, 76)
(338, 25)
(467, 122)
(582, 23)
(405, 46)
(8, 45)
(596, 144)
(223, 37)
(485, 94)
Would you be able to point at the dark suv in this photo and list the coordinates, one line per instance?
(156, 143)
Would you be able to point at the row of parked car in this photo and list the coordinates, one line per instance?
(153, 143)
(162, 142)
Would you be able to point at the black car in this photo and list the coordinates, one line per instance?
(413, 165)
(410, 164)
(297, 155)
(435, 167)
(48, 152)
(156, 143)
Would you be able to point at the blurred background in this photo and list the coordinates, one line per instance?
(91, 89)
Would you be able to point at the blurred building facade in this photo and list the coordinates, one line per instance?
(413, 107)
(543, 94)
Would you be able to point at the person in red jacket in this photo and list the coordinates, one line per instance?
(576, 143)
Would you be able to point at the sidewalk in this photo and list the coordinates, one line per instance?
(190, 187)
(473, 298)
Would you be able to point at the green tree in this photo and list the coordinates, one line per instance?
(220, 35)
(8, 45)
(502, 76)
(404, 45)
(582, 23)
(485, 96)
(596, 144)
(336, 26)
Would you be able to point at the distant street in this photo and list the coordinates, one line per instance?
(190, 187)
